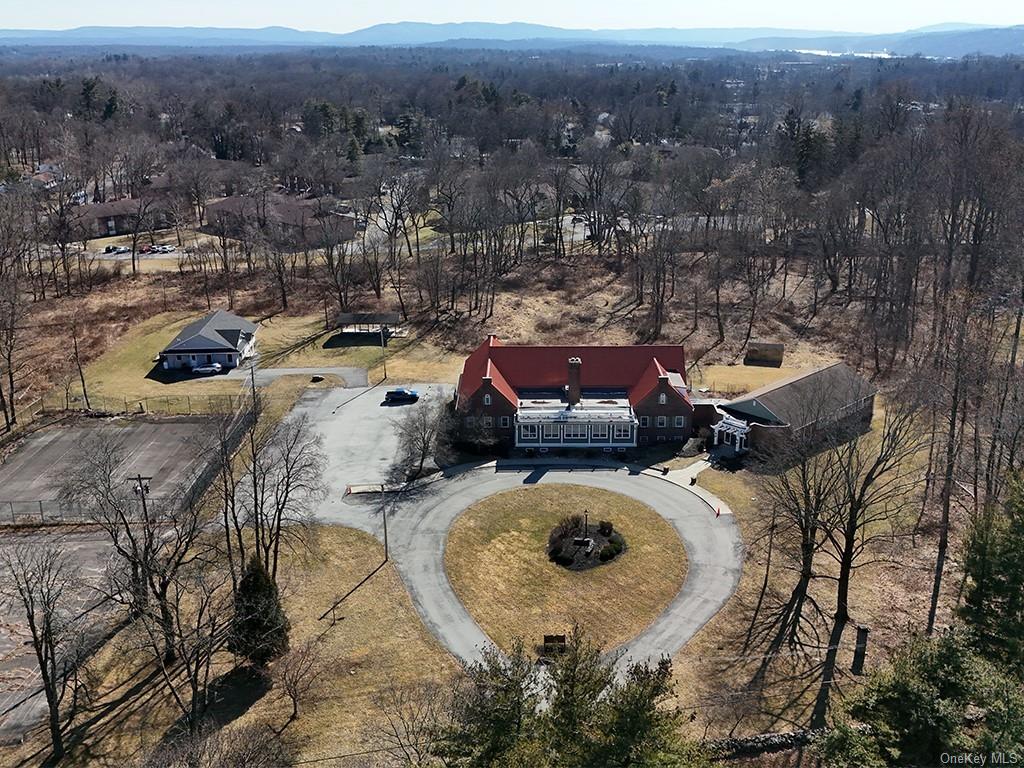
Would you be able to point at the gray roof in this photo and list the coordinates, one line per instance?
(803, 399)
(368, 318)
(219, 331)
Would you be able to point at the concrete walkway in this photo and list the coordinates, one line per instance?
(418, 524)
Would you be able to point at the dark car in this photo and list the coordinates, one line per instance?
(401, 396)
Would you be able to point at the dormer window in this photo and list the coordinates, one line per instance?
(662, 398)
(487, 399)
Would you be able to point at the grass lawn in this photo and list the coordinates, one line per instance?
(301, 342)
(122, 371)
(497, 562)
(377, 637)
(730, 380)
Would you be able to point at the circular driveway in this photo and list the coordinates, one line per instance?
(418, 524)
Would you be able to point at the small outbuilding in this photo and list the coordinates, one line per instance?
(220, 337)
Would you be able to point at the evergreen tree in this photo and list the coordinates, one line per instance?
(354, 154)
(579, 714)
(494, 712)
(916, 709)
(994, 564)
(259, 629)
(578, 678)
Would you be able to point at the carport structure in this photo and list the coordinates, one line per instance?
(367, 322)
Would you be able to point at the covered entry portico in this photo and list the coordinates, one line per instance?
(732, 432)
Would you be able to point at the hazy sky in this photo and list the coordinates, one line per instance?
(343, 16)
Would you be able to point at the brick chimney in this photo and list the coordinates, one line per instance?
(573, 388)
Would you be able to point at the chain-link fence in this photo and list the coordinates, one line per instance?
(48, 512)
(229, 437)
(160, 405)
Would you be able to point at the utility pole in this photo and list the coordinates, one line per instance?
(384, 514)
(383, 354)
(141, 489)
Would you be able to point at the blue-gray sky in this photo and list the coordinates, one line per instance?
(344, 16)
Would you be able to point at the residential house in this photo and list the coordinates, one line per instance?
(542, 397)
(300, 220)
(220, 337)
(122, 217)
(830, 400)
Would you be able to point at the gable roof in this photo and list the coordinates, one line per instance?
(219, 331)
(636, 368)
(803, 399)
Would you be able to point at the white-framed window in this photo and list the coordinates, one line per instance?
(662, 398)
(552, 432)
(661, 438)
(680, 421)
(528, 431)
(599, 432)
(662, 422)
(506, 421)
(645, 421)
(575, 432)
(470, 422)
(623, 431)
(487, 422)
(487, 399)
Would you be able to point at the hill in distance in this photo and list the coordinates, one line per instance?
(941, 41)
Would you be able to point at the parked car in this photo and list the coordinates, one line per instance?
(122, 249)
(210, 368)
(401, 396)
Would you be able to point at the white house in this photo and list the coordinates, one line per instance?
(220, 337)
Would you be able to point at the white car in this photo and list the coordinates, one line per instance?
(210, 368)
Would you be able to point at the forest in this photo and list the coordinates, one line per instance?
(869, 207)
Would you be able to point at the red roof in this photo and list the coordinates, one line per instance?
(511, 368)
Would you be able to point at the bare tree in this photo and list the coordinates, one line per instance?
(271, 504)
(298, 673)
(878, 474)
(43, 581)
(408, 722)
(253, 746)
(200, 608)
(154, 539)
(423, 433)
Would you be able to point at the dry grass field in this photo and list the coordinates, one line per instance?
(497, 562)
(376, 638)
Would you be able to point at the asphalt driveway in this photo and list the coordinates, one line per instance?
(358, 431)
(360, 443)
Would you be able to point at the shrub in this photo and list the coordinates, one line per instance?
(614, 547)
(605, 528)
(567, 527)
(555, 551)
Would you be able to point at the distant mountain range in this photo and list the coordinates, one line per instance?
(941, 41)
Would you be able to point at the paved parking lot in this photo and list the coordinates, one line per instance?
(165, 449)
(358, 432)
(22, 704)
